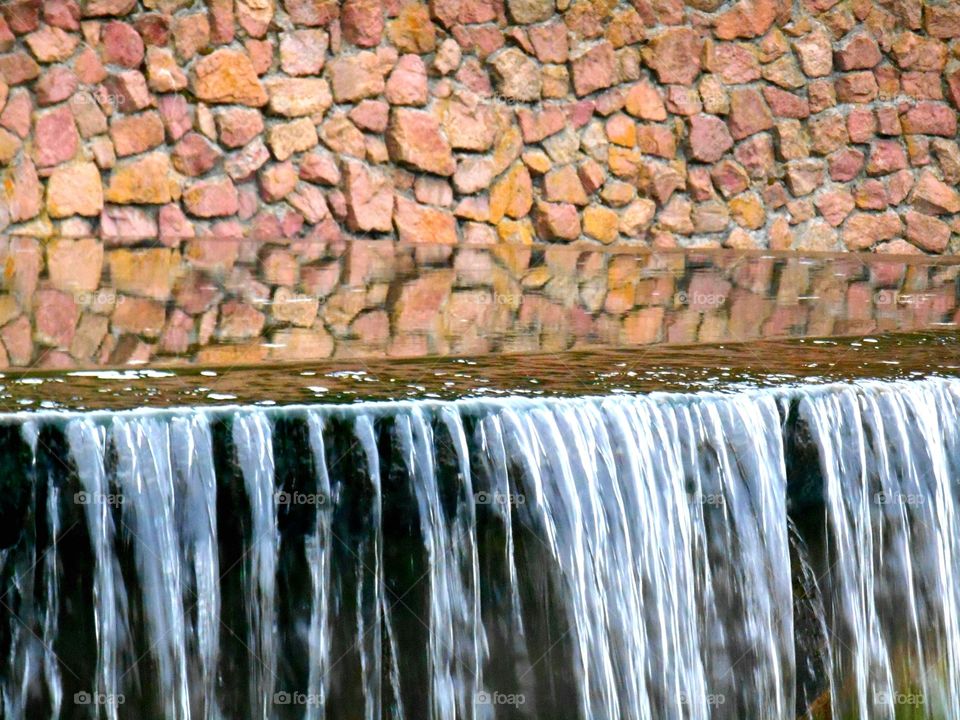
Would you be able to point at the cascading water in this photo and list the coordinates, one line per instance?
(763, 554)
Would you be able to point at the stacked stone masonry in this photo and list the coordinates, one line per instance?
(807, 124)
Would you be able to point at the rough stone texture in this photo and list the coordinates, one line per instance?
(656, 122)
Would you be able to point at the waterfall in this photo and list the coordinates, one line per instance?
(756, 554)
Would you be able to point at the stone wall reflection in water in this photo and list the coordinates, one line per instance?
(364, 299)
(665, 556)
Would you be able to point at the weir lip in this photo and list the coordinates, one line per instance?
(722, 367)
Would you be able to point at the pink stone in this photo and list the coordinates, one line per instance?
(942, 21)
(354, 77)
(549, 41)
(303, 52)
(134, 134)
(17, 115)
(239, 321)
(871, 195)
(177, 333)
(816, 54)
(594, 69)
(122, 45)
(238, 126)
(730, 178)
(18, 68)
(935, 197)
(709, 138)
(930, 118)
(557, 221)
(858, 87)
(309, 200)
(644, 102)
(89, 68)
(56, 315)
(319, 168)
(125, 225)
(747, 19)
(886, 156)
(18, 340)
(56, 85)
(127, 91)
(536, 126)
(683, 100)
(173, 224)
(211, 198)
(51, 44)
(835, 206)
(64, 14)
(407, 84)
(735, 63)
(194, 155)
(369, 196)
(861, 125)
(899, 186)
(221, 18)
(675, 55)
(484, 40)
(414, 138)
(419, 223)
(139, 316)
(55, 137)
(864, 230)
(927, 232)
(657, 140)
(361, 22)
(371, 115)
(749, 113)
(756, 155)
(21, 191)
(859, 53)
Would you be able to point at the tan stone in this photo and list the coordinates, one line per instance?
(75, 189)
(423, 224)
(148, 273)
(148, 180)
(511, 194)
(227, 76)
(296, 97)
(293, 308)
(601, 223)
(289, 138)
(299, 344)
(75, 265)
(414, 137)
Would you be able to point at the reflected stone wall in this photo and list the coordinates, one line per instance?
(77, 303)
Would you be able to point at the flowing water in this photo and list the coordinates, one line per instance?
(760, 554)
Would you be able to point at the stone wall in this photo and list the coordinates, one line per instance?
(76, 303)
(807, 124)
